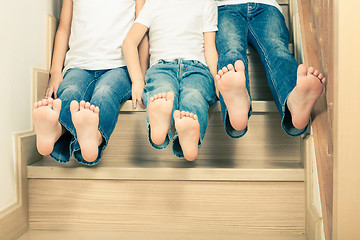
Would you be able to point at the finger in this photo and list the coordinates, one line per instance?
(50, 91)
(141, 103)
(47, 93)
(134, 101)
(55, 91)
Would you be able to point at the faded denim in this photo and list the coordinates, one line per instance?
(193, 87)
(263, 27)
(106, 89)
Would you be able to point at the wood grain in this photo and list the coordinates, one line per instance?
(167, 206)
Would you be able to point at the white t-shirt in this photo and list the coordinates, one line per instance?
(230, 2)
(98, 30)
(176, 28)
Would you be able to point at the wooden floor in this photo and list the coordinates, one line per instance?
(92, 235)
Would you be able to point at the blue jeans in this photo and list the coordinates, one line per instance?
(106, 89)
(262, 26)
(193, 87)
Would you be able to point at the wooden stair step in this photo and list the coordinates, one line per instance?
(167, 206)
(93, 235)
(171, 170)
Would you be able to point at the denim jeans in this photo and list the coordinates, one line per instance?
(263, 27)
(193, 87)
(106, 89)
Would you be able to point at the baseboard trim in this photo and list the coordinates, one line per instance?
(14, 219)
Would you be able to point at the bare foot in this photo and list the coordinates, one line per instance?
(86, 121)
(47, 127)
(232, 86)
(188, 128)
(160, 109)
(309, 86)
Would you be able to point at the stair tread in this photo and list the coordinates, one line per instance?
(257, 107)
(89, 235)
(170, 170)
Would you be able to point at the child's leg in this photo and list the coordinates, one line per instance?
(78, 84)
(161, 99)
(270, 37)
(47, 127)
(231, 42)
(93, 127)
(197, 93)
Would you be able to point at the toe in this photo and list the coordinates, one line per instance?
(239, 66)
(220, 73)
(311, 70)
(301, 71)
(74, 106)
(96, 110)
(170, 96)
(225, 70)
(316, 73)
(87, 105)
(82, 104)
(57, 105)
(176, 114)
(230, 67)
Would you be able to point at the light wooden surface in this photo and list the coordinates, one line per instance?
(167, 206)
(93, 235)
(265, 153)
(14, 220)
(312, 35)
(346, 121)
(313, 215)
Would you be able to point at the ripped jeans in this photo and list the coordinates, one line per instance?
(106, 89)
(194, 90)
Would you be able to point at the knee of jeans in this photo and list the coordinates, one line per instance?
(104, 92)
(193, 97)
(231, 56)
(70, 92)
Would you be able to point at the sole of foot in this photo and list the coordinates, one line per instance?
(309, 87)
(159, 110)
(47, 127)
(188, 128)
(231, 83)
(85, 118)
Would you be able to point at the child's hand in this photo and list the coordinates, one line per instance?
(53, 85)
(137, 91)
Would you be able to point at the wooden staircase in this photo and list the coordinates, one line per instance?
(248, 188)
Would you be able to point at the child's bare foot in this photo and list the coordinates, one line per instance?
(232, 86)
(188, 128)
(47, 127)
(86, 121)
(160, 109)
(301, 100)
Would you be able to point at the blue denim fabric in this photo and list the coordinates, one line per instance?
(106, 89)
(193, 87)
(262, 26)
